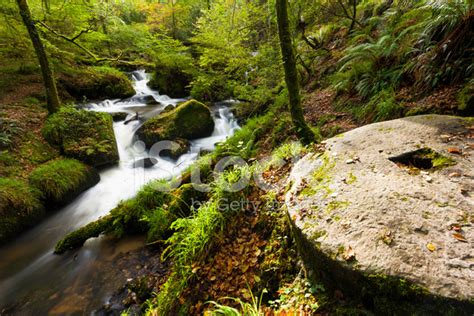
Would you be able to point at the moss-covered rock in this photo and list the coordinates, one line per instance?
(189, 120)
(211, 89)
(61, 180)
(84, 135)
(20, 207)
(96, 83)
(171, 80)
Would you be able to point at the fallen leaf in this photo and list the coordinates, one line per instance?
(459, 237)
(454, 150)
(431, 247)
(349, 254)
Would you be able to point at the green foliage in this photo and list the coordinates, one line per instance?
(61, 178)
(369, 67)
(9, 129)
(382, 106)
(174, 68)
(466, 99)
(253, 308)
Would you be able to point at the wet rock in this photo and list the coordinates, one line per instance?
(145, 163)
(118, 116)
(389, 214)
(189, 120)
(150, 100)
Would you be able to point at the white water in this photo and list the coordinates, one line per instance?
(39, 281)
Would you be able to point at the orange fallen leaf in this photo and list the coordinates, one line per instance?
(459, 237)
(454, 150)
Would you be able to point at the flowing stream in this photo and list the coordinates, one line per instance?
(34, 281)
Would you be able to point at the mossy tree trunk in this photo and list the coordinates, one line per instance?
(305, 134)
(52, 97)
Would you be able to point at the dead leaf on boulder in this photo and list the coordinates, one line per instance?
(454, 150)
(349, 254)
(431, 247)
(459, 237)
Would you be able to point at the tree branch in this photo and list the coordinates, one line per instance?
(72, 40)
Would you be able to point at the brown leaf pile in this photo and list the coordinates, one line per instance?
(231, 270)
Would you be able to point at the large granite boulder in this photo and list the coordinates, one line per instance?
(189, 120)
(387, 213)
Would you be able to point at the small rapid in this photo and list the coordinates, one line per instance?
(35, 281)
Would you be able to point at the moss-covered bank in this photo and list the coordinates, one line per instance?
(61, 180)
(84, 135)
(20, 208)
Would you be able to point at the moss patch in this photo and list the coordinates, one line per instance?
(96, 83)
(189, 120)
(171, 80)
(62, 180)
(20, 207)
(84, 135)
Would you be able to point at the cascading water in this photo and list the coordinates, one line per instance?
(35, 281)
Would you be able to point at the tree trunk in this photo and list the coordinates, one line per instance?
(305, 134)
(48, 79)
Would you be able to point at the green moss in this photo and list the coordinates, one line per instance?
(20, 207)
(351, 178)
(78, 237)
(466, 100)
(84, 135)
(171, 80)
(189, 120)
(334, 205)
(36, 150)
(96, 83)
(63, 179)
